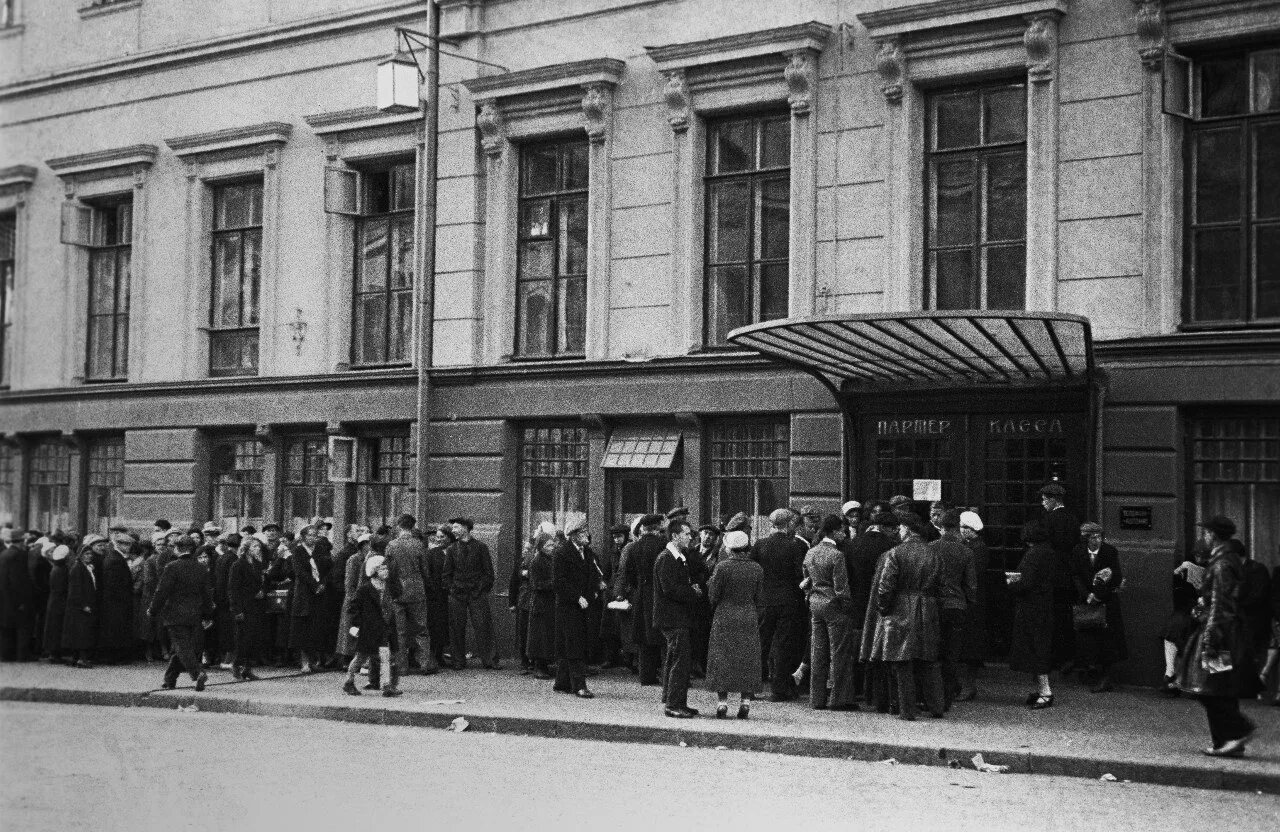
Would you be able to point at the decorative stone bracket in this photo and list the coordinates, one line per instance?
(801, 75)
(891, 66)
(676, 93)
(1149, 17)
(1041, 42)
(493, 129)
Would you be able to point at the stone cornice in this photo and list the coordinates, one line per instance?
(1180, 11)
(297, 31)
(234, 138)
(578, 74)
(17, 176)
(920, 16)
(810, 37)
(98, 9)
(119, 158)
(360, 118)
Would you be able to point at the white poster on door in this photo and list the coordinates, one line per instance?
(929, 490)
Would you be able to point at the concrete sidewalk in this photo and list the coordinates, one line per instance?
(1130, 734)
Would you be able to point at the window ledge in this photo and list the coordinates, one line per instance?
(546, 79)
(13, 30)
(99, 10)
(360, 118)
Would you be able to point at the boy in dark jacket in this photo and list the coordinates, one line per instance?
(373, 625)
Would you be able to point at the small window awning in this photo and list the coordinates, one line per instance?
(641, 447)
(923, 350)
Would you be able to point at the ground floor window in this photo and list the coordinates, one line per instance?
(237, 468)
(8, 482)
(49, 492)
(749, 469)
(385, 476)
(307, 490)
(1235, 471)
(553, 476)
(105, 483)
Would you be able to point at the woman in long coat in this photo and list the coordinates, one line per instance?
(542, 612)
(880, 686)
(733, 651)
(353, 571)
(80, 623)
(1096, 565)
(1221, 641)
(115, 627)
(56, 610)
(247, 607)
(1032, 589)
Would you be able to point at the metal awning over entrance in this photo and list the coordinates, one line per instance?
(922, 350)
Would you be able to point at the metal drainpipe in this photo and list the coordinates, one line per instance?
(425, 266)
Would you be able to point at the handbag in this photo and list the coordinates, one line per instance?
(277, 601)
(1089, 616)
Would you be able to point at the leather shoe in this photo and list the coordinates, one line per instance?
(168, 685)
(1224, 751)
(677, 713)
(200, 680)
(585, 694)
(692, 711)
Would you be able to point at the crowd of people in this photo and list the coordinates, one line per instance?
(877, 607)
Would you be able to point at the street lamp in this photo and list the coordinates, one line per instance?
(398, 84)
(398, 92)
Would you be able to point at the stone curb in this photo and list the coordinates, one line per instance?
(1208, 775)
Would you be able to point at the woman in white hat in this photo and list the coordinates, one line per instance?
(733, 653)
(56, 609)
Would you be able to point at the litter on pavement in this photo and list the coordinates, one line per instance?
(982, 765)
(459, 725)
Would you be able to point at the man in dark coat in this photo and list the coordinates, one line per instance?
(469, 578)
(115, 590)
(860, 556)
(183, 603)
(702, 562)
(577, 584)
(674, 597)
(437, 595)
(17, 600)
(782, 610)
(1064, 533)
(637, 568)
(958, 589)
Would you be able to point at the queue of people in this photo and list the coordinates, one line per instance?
(875, 608)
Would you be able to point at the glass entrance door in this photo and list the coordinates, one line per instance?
(992, 462)
(635, 494)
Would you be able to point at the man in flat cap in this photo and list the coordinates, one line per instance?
(469, 577)
(637, 570)
(577, 583)
(1064, 532)
(703, 556)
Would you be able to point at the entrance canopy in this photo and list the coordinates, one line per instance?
(921, 350)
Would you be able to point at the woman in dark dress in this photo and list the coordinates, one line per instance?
(542, 610)
(519, 602)
(1178, 627)
(733, 651)
(1032, 589)
(80, 622)
(247, 607)
(56, 610)
(1098, 576)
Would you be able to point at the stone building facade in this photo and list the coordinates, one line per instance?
(208, 260)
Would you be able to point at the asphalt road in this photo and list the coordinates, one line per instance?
(70, 767)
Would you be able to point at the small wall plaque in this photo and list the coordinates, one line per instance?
(1135, 518)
